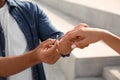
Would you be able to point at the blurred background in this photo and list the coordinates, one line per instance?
(96, 62)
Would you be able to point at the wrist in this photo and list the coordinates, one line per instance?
(63, 53)
(34, 57)
(104, 35)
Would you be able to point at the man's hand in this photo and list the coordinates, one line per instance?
(47, 51)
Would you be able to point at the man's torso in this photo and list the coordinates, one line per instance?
(15, 42)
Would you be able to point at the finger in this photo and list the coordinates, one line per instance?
(55, 58)
(82, 47)
(76, 34)
(52, 50)
(48, 42)
(82, 43)
(50, 58)
(73, 46)
(81, 25)
(55, 45)
(66, 36)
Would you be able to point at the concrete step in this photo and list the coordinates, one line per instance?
(95, 13)
(87, 62)
(53, 72)
(89, 78)
(111, 73)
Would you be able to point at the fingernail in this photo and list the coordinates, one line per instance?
(60, 39)
(73, 46)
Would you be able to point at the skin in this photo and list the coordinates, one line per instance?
(2, 2)
(64, 47)
(66, 43)
(46, 52)
(89, 35)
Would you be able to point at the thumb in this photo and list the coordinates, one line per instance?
(54, 47)
(74, 34)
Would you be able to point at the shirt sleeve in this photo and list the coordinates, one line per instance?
(45, 28)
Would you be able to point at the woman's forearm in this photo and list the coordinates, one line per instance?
(112, 40)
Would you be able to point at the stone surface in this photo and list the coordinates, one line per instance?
(111, 73)
(95, 13)
(89, 78)
(87, 62)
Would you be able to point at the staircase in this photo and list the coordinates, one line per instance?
(96, 62)
(111, 73)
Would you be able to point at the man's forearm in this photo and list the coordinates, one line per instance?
(12, 65)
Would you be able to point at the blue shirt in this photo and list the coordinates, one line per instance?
(35, 26)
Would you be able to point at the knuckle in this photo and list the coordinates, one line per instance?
(52, 62)
(83, 24)
(80, 46)
(69, 34)
(49, 39)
